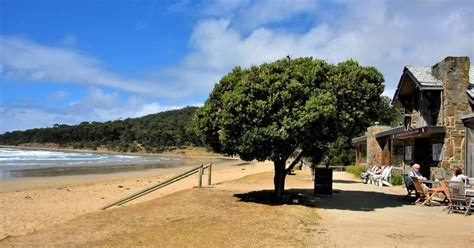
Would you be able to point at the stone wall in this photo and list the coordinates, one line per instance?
(454, 73)
(374, 151)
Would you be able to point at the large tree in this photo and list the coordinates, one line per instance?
(267, 112)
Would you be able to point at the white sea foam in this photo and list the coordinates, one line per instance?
(19, 159)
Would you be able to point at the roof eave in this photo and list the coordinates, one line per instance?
(360, 139)
(400, 83)
(389, 131)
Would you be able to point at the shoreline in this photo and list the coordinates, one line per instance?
(40, 182)
(168, 161)
(178, 152)
(99, 169)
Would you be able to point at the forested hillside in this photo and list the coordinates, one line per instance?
(151, 133)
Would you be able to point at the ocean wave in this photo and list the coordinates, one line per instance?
(21, 158)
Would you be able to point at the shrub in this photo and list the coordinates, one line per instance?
(396, 179)
(355, 170)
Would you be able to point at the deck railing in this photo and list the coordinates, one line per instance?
(199, 169)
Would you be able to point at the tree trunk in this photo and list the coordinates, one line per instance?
(279, 178)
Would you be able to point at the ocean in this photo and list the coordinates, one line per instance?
(26, 163)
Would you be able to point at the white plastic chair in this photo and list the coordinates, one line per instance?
(384, 178)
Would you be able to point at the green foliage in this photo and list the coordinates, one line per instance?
(387, 115)
(396, 178)
(355, 170)
(267, 112)
(341, 151)
(151, 133)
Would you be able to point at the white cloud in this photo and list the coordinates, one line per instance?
(247, 15)
(384, 34)
(381, 34)
(25, 118)
(26, 60)
(58, 95)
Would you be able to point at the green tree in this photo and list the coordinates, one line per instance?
(386, 114)
(342, 151)
(266, 112)
(154, 132)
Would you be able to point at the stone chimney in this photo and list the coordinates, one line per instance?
(454, 73)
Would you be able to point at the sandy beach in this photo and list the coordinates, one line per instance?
(233, 212)
(31, 204)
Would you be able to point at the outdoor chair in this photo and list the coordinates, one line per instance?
(459, 202)
(383, 178)
(426, 196)
(444, 186)
(411, 191)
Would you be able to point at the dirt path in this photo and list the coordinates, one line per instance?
(239, 213)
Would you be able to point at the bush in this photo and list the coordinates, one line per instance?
(355, 170)
(396, 179)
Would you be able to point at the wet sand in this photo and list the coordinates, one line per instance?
(106, 168)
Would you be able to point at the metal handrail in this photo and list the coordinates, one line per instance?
(198, 169)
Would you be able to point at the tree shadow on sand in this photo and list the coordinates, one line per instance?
(352, 200)
(345, 181)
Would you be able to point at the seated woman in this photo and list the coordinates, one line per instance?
(376, 170)
(458, 176)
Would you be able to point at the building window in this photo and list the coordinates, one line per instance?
(437, 152)
(363, 154)
(408, 153)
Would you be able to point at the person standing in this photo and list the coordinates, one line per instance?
(326, 162)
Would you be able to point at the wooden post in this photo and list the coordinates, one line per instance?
(209, 176)
(201, 170)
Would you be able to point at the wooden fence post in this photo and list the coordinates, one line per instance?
(209, 176)
(201, 170)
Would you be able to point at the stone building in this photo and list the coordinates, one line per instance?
(438, 125)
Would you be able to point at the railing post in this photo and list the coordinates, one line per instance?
(201, 170)
(209, 176)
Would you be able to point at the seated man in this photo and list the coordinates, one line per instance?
(415, 172)
(376, 170)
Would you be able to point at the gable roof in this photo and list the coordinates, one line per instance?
(423, 76)
(415, 77)
(424, 79)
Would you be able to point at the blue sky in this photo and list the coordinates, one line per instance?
(83, 60)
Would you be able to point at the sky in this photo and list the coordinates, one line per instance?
(70, 61)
